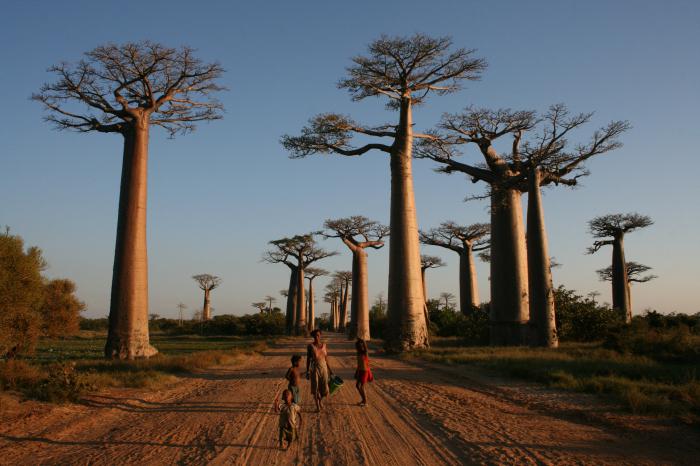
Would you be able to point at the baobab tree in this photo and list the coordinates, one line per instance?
(271, 299)
(332, 296)
(548, 160)
(126, 89)
(207, 283)
(297, 253)
(260, 306)
(610, 230)
(509, 285)
(449, 299)
(464, 240)
(634, 275)
(311, 274)
(358, 233)
(404, 71)
(429, 262)
(344, 277)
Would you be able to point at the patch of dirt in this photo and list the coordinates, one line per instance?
(418, 413)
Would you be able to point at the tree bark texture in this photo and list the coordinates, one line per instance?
(344, 307)
(359, 306)
(468, 285)
(206, 307)
(620, 281)
(300, 322)
(509, 284)
(407, 324)
(291, 301)
(128, 336)
(543, 329)
(310, 318)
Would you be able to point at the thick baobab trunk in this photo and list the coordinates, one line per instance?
(468, 286)
(509, 287)
(344, 307)
(407, 324)
(206, 307)
(543, 328)
(425, 288)
(310, 318)
(620, 282)
(127, 337)
(334, 316)
(300, 324)
(359, 307)
(291, 301)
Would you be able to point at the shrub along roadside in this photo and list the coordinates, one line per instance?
(640, 383)
(66, 370)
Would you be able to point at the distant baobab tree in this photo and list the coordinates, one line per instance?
(429, 262)
(448, 298)
(259, 306)
(544, 160)
(271, 299)
(634, 275)
(181, 308)
(126, 89)
(297, 253)
(311, 274)
(610, 230)
(404, 71)
(207, 283)
(358, 233)
(464, 240)
(344, 277)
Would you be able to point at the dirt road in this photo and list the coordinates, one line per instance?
(418, 414)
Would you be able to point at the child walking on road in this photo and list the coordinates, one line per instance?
(292, 377)
(363, 374)
(290, 419)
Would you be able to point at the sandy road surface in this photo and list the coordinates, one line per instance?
(418, 414)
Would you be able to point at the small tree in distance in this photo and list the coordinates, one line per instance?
(207, 283)
(611, 230)
(126, 89)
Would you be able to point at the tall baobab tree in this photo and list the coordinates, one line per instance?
(181, 308)
(126, 89)
(634, 275)
(311, 274)
(464, 240)
(610, 230)
(358, 233)
(270, 299)
(345, 279)
(429, 262)
(333, 292)
(207, 283)
(260, 306)
(404, 71)
(509, 285)
(297, 253)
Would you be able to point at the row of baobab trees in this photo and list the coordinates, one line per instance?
(126, 89)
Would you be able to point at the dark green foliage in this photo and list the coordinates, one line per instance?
(250, 324)
(377, 321)
(582, 319)
(62, 383)
(99, 324)
(447, 322)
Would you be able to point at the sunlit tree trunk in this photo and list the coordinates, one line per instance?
(300, 322)
(206, 307)
(468, 285)
(127, 337)
(359, 306)
(291, 301)
(407, 325)
(509, 284)
(344, 307)
(311, 317)
(542, 313)
(620, 281)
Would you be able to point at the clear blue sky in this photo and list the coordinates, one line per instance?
(218, 195)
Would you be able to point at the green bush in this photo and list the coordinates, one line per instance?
(63, 383)
(582, 319)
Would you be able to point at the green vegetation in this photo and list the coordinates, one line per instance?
(64, 369)
(650, 366)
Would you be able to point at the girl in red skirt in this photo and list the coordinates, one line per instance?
(363, 374)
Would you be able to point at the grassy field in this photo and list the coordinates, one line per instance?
(64, 369)
(641, 383)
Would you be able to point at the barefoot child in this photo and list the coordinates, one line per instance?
(292, 377)
(363, 374)
(290, 419)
